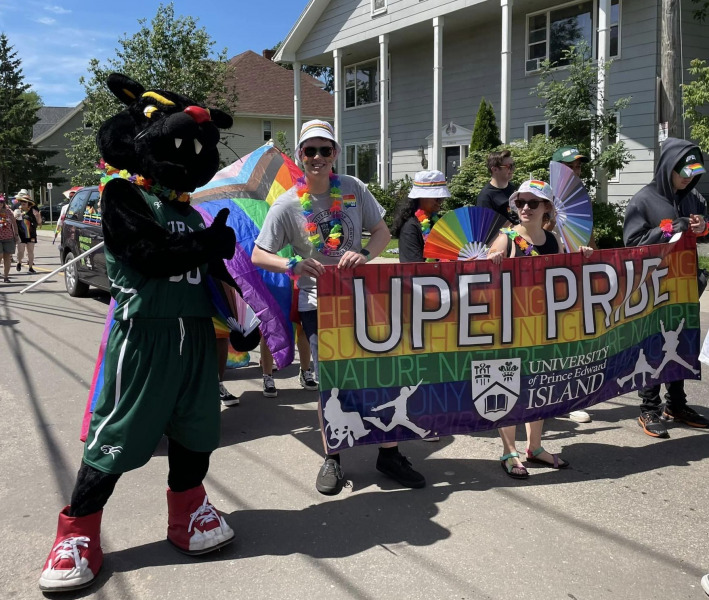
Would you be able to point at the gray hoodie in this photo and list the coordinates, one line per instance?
(657, 201)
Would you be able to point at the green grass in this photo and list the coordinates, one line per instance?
(393, 244)
(704, 262)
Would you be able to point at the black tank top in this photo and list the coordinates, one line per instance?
(550, 245)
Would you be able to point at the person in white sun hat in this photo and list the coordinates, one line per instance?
(322, 217)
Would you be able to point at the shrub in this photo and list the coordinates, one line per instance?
(608, 224)
(486, 134)
(396, 191)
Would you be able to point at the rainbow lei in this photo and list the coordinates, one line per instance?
(666, 227)
(427, 221)
(522, 244)
(334, 239)
(108, 172)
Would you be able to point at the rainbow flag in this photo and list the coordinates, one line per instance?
(426, 349)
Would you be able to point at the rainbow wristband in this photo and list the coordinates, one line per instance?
(290, 267)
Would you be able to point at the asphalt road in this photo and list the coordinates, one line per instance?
(628, 520)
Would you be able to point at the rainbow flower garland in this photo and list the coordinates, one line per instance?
(108, 172)
(334, 239)
(666, 227)
(427, 221)
(521, 243)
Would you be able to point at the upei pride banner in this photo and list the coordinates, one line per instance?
(426, 349)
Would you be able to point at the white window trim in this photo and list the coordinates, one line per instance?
(263, 129)
(362, 62)
(530, 124)
(356, 166)
(594, 28)
(378, 11)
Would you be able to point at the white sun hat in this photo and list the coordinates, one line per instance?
(313, 129)
(429, 184)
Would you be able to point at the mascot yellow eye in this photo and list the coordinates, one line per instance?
(149, 110)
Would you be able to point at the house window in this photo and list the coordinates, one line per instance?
(379, 7)
(361, 160)
(362, 84)
(537, 128)
(552, 32)
(267, 133)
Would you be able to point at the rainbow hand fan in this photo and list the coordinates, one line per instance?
(463, 234)
(574, 213)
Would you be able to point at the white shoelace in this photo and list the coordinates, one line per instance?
(204, 514)
(68, 548)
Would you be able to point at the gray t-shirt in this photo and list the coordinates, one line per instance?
(285, 224)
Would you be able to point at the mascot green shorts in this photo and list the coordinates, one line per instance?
(160, 377)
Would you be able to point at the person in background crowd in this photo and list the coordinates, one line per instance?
(667, 205)
(496, 194)
(534, 202)
(307, 216)
(9, 237)
(27, 229)
(571, 157)
(416, 217)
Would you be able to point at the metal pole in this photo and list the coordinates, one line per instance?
(50, 206)
(64, 266)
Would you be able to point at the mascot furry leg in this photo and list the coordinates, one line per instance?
(161, 368)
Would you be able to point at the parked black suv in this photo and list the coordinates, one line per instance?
(80, 232)
(56, 210)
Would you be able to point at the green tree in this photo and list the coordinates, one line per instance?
(282, 144)
(701, 13)
(695, 96)
(569, 101)
(486, 134)
(170, 53)
(324, 74)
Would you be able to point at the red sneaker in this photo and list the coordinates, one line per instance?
(76, 556)
(194, 525)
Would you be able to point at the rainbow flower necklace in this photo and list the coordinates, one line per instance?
(427, 221)
(108, 172)
(334, 239)
(527, 248)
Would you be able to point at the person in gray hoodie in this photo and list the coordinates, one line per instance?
(670, 195)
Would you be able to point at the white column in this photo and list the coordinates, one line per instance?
(506, 70)
(383, 110)
(338, 100)
(603, 52)
(297, 118)
(434, 160)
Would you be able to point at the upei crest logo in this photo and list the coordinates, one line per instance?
(495, 387)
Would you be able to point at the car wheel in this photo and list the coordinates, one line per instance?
(75, 287)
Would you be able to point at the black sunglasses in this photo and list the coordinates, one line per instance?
(520, 204)
(324, 151)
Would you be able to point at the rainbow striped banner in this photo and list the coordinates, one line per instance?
(426, 349)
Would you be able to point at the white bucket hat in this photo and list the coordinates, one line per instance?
(541, 189)
(429, 184)
(313, 129)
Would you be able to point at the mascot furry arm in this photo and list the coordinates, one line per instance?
(170, 141)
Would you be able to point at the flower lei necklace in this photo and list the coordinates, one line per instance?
(666, 227)
(522, 244)
(427, 221)
(108, 172)
(333, 241)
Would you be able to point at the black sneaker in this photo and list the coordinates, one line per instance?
(398, 467)
(686, 415)
(331, 478)
(227, 398)
(307, 381)
(269, 387)
(652, 425)
(31, 270)
(19, 266)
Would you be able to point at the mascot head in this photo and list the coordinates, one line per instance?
(162, 136)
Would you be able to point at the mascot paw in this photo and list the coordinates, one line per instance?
(225, 236)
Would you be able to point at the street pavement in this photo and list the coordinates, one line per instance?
(628, 520)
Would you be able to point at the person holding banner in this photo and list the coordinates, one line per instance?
(534, 204)
(669, 204)
(322, 217)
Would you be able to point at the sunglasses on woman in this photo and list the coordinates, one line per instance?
(520, 204)
(324, 151)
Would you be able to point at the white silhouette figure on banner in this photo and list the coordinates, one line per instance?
(399, 417)
(670, 348)
(342, 425)
(642, 367)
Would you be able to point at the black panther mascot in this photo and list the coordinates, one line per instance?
(160, 362)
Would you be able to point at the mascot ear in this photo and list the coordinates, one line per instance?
(220, 118)
(124, 88)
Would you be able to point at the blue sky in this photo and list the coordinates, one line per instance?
(56, 39)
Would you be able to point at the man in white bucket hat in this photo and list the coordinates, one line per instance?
(322, 217)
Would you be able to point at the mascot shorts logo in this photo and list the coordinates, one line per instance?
(495, 387)
(111, 450)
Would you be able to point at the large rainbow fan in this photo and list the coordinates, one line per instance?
(463, 234)
(574, 212)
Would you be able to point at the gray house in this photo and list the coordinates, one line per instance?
(442, 56)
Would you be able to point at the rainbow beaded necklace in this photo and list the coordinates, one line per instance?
(334, 239)
(427, 221)
(108, 172)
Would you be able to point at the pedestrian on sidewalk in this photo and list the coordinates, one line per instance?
(27, 229)
(9, 237)
(669, 204)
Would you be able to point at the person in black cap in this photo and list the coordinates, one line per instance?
(670, 195)
(571, 157)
